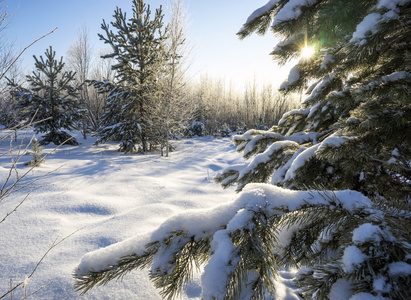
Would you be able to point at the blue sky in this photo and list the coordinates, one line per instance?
(213, 24)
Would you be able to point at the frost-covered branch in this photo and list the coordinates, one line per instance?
(21, 52)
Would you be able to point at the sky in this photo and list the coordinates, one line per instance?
(217, 51)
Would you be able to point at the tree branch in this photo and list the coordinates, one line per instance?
(18, 56)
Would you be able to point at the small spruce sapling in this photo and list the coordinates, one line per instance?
(38, 157)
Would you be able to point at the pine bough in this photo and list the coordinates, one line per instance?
(335, 236)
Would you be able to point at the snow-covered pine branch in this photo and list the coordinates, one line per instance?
(264, 219)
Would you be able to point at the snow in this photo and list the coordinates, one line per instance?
(391, 4)
(314, 109)
(294, 75)
(387, 79)
(300, 161)
(395, 76)
(297, 111)
(366, 296)
(313, 86)
(399, 269)
(352, 258)
(365, 233)
(103, 258)
(248, 135)
(284, 285)
(199, 223)
(251, 145)
(119, 203)
(328, 59)
(320, 87)
(292, 10)
(340, 290)
(263, 10)
(110, 197)
(264, 157)
(380, 285)
(219, 266)
(252, 137)
(395, 152)
(284, 43)
(302, 137)
(351, 200)
(333, 141)
(352, 120)
(368, 25)
(279, 174)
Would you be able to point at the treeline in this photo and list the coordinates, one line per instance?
(220, 104)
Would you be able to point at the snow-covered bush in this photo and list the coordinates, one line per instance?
(225, 130)
(194, 129)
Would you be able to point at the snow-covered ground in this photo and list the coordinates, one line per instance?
(109, 197)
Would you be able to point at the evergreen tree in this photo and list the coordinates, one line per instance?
(352, 131)
(50, 102)
(338, 206)
(8, 115)
(137, 47)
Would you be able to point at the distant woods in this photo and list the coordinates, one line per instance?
(255, 105)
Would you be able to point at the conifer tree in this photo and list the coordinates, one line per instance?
(50, 102)
(352, 130)
(338, 206)
(137, 46)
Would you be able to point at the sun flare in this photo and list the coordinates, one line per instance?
(307, 52)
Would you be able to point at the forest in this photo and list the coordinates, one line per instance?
(109, 164)
(177, 105)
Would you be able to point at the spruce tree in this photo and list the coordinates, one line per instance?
(50, 101)
(352, 129)
(137, 46)
(326, 191)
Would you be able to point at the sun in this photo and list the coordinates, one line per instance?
(307, 52)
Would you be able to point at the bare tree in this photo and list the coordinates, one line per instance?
(7, 116)
(222, 105)
(173, 108)
(6, 45)
(101, 70)
(79, 55)
(79, 58)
